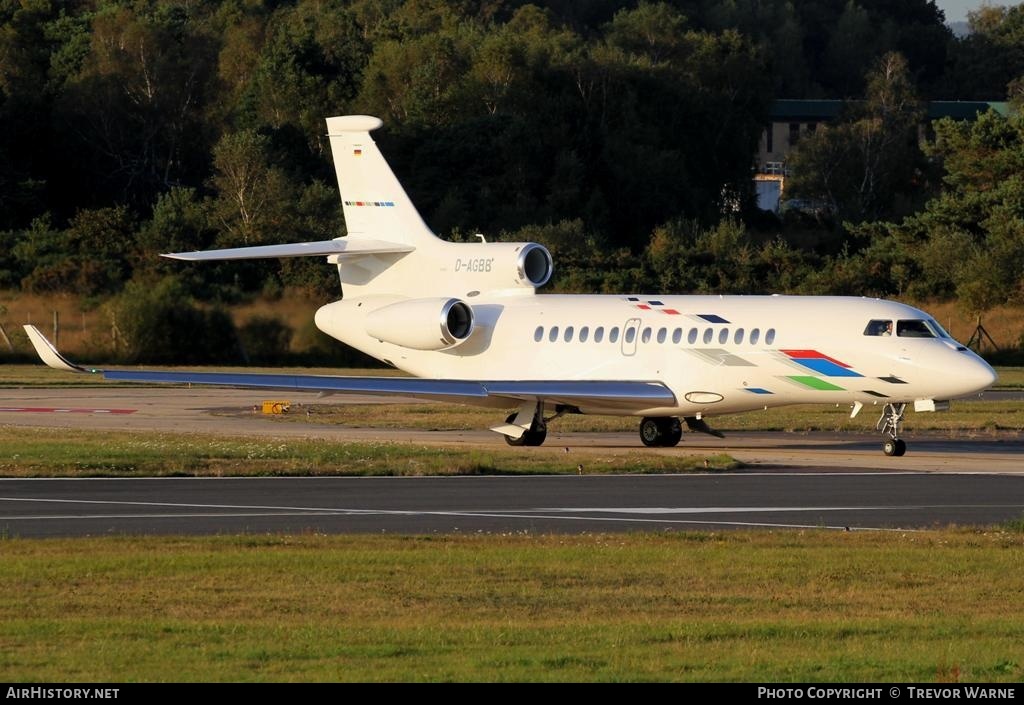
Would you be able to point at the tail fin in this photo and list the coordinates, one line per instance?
(376, 206)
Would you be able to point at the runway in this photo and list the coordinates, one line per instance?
(558, 504)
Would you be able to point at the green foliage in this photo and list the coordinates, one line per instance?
(156, 322)
(619, 134)
(90, 257)
(968, 240)
(865, 166)
(265, 339)
(683, 257)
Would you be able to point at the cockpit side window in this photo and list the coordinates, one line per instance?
(878, 328)
(939, 330)
(914, 329)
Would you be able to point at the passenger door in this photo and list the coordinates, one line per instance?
(630, 331)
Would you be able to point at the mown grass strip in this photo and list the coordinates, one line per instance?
(29, 452)
(964, 417)
(770, 606)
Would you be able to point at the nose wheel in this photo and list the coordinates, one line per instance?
(889, 424)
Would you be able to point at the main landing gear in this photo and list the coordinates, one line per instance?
(663, 431)
(533, 436)
(889, 424)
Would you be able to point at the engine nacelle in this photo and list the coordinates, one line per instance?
(534, 265)
(497, 265)
(422, 324)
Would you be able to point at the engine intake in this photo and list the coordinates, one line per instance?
(422, 324)
(535, 265)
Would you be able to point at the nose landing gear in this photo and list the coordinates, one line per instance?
(889, 424)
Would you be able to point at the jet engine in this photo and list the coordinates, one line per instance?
(422, 324)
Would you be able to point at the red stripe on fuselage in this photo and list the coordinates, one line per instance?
(813, 355)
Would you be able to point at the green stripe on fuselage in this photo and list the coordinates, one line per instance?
(815, 383)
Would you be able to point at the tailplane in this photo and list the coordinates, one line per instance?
(389, 251)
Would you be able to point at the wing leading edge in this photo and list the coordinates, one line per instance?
(623, 396)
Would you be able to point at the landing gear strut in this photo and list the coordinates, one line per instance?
(889, 424)
(663, 431)
(534, 436)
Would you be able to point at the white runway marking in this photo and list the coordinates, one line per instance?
(560, 514)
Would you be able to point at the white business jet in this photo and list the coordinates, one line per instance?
(465, 320)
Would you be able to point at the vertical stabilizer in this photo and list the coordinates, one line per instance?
(376, 206)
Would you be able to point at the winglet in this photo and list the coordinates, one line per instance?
(49, 354)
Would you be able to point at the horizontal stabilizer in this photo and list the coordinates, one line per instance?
(341, 248)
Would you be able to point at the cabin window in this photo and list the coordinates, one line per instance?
(723, 336)
(568, 334)
(553, 334)
(769, 336)
(755, 335)
(878, 327)
(538, 335)
(708, 335)
(692, 337)
(661, 335)
(646, 335)
(599, 334)
(613, 335)
(738, 338)
(584, 334)
(677, 336)
(630, 335)
(914, 329)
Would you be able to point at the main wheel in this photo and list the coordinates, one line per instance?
(901, 447)
(651, 432)
(673, 432)
(536, 436)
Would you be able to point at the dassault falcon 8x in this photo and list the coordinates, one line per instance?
(465, 320)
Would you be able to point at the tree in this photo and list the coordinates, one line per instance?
(969, 238)
(253, 196)
(157, 322)
(133, 111)
(992, 55)
(867, 166)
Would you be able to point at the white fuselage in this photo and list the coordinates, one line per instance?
(717, 354)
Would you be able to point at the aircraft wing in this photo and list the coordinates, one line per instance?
(619, 395)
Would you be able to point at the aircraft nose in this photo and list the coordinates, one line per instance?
(976, 376)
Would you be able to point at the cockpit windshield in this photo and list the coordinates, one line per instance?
(907, 329)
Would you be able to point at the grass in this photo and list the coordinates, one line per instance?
(733, 606)
(964, 417)
(28, 452)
